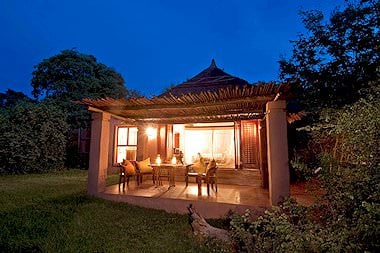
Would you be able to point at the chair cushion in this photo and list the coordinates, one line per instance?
(199, 167)
(129, 168)
(144, 166)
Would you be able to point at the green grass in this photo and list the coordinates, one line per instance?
(52, 213)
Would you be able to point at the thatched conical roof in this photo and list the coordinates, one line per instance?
(211, 79)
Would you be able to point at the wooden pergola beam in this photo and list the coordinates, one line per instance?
(192, 119)
(256, 109)
(183, 106)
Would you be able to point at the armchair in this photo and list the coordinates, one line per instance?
(210, 177)
(144, 168)
(194, 170)
(126, 171)
(203, 173)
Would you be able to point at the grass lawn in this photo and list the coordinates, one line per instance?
(52, 213)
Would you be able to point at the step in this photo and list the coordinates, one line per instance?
(240, 177)
(231, 176)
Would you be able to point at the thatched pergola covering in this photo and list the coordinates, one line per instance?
(210, 79)
(224, 104)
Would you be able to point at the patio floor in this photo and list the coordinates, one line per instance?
(231, 194)
(176, 199)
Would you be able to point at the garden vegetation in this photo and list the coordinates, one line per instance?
(335, 66)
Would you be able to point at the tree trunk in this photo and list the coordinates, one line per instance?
(205, 230)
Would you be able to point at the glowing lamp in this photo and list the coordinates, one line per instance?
(174, 160)
(158, 160)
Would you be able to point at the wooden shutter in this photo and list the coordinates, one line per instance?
(249, 144)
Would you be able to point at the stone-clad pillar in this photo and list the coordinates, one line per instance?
(277, 146)
(100, 134)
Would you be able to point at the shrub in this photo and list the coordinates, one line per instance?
(32, 137)
(347, 219)
(292, 228)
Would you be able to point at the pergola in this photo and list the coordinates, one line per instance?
(226, 104)
(211, 96)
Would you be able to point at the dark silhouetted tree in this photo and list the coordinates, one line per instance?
(68, 77)
(71, 76)
(11, 98)
(334, 60)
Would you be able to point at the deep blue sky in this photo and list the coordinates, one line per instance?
(153, 44)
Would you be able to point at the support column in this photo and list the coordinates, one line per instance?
(99, 148)
(263, 153)
(277, 150)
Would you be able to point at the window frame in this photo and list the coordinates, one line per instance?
(128, 144)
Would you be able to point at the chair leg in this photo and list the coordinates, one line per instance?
(208, 189)
(187, 180)
(216, 186)
(138, 179)
(119, 181)
(199, 182)
(128, 180)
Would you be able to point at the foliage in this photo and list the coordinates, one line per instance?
(11, 97)
(349, 135)
(71, 76)
(292, 228)
(336, 59)
(74, 75)
(345, 145)
(51, 213)
(32, 137)
(300, 170)
(357, 130)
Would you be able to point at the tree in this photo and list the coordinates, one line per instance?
(74, 75)
(11, 97)
(335, 60)
(71, 76)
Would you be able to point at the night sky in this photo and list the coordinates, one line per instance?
(152, 44)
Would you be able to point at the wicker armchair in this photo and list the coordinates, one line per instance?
(127, 170)
(144, 168)
(210, 178)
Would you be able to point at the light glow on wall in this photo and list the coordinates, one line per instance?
(151, 132)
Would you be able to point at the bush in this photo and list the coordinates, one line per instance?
(292, 228)
(32, 137)
(347, 219)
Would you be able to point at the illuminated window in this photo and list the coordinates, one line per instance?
(212, 142)
(126, 143)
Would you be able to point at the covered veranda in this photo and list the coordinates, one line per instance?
(218, 116)
(232, 104)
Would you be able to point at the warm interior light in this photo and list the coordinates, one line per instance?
(174, 160)
(151, 132)
(158, 159)
(212, 143)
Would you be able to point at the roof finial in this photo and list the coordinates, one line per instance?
(213, 64)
